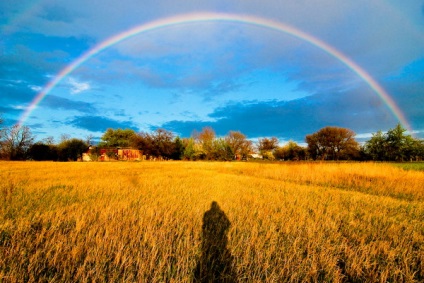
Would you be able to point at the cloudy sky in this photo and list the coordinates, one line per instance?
(228, 75)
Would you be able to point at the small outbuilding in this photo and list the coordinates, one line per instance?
(112, 154)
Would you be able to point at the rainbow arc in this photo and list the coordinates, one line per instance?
(210, 17)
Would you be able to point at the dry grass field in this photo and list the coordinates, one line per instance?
(206, 221)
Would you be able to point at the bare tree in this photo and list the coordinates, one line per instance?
(205, 139)
(64, 137)
(15, 142)
(160, 143)
(239, 144)
(49, 140)
(1, 129)
(163, 143)
(267, 146)
(1, 136)
(89, 139)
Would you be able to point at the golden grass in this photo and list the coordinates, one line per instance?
(142, 222)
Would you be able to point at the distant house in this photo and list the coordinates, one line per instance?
(86, 154)
(108, 154)
(129, 154)
(112, 154)
(256, 156)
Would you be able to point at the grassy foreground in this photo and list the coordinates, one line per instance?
(195, 221)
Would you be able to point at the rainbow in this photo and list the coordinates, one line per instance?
(207, 17)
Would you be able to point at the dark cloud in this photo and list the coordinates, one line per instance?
(24, 64)
(56, 13)
(29, 61)
(9, 114)
(23, 72)
(7, 121)
(36, 126)
(217, 70)
(99, 123)
(56, 102)
(407, 90)
(9, 109)
(297, 118)
(52, 48)
(120, 113)
(411, 102)
(164, 73)
(14, 97)
(222, 87)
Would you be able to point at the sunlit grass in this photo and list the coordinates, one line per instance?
(142, 222)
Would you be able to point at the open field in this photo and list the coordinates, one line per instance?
(419, 166)
(156, 222)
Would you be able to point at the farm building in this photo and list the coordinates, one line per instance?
(112, 154)
(129, 154)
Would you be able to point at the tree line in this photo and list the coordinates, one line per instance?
(328, 143)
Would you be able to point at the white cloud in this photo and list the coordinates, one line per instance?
(77, 87)
(19, 107)
(35, 88)
(364, 135)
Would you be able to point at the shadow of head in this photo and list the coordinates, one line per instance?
(216, 262)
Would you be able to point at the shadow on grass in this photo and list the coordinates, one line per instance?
(216, 262)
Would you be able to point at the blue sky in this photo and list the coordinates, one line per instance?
(229, 76)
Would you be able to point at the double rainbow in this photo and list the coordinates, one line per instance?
(212, 17)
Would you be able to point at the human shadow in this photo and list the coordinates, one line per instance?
(216, 262)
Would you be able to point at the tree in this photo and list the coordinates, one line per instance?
(15, 142)
(238, 144)
(267, 144)
(411, 148)
(394, 145)
(290, 151)
(418, 150)
(89, 139)
(375, 148)
(160, 143)
(2, 132)
(163, 143)
(205, 139)
(178, 152)
(143, 141)
(49, 140)
(266, 147)
(221, 150)
(397, 143)
(64, 137)
(117, 138)
(41, 151)
(332, 143)
(189, 149)
(71, 149)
